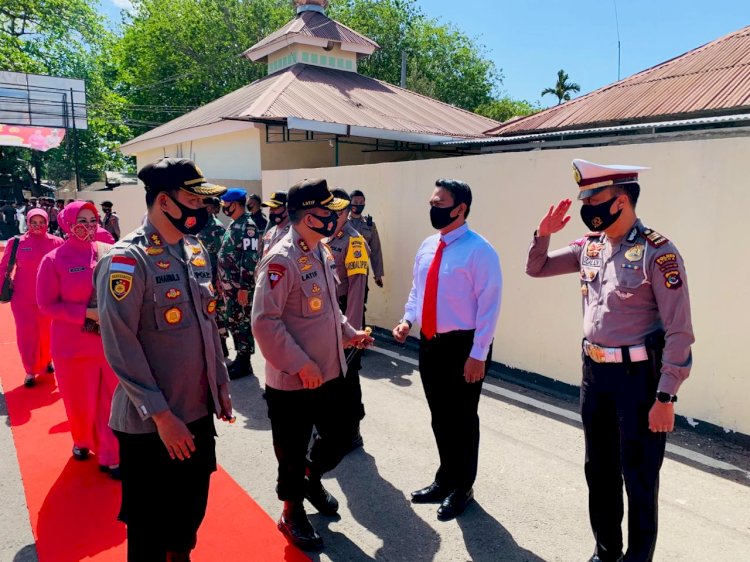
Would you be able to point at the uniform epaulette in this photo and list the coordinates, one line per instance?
(654, 238)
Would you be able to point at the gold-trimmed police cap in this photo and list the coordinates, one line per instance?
(178, 173)
(309, 194)
(277, 199)
(592, 177)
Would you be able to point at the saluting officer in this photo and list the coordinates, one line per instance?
(636, 351)
(351, 255)
(302, 335)
(211, 236)
(366, 227)
(278, 225)
(238, 257)
(157, 306)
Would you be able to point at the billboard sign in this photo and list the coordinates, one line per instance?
(36, 138)
(42, 101)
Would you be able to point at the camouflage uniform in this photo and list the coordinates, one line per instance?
(237, 259)
(211, 237)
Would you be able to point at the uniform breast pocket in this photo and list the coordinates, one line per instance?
(208, 299)
(314, 300)
(629, 284)
(172, 307)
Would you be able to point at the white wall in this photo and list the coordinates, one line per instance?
(229, 156)
(696, 194)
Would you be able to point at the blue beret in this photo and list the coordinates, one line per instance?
(234, 194)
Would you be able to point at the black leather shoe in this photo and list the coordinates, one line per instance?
(80, 453)
(356, 443)
(240, 367)
(455, 504)
(431, 494)
(596, 558)
(295, 526)
(29, 381)
(320, 498)
(50, 367)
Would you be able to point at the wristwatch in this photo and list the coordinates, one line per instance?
(666, 398)
(405, 321)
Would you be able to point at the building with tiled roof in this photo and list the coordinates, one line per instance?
(313, 109)
(705, 89)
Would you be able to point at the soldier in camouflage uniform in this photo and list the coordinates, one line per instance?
(238, 257)
(211, 237)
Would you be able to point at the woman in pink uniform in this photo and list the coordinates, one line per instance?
(32, 328)
(85, 379)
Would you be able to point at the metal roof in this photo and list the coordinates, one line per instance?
(682, 123)
(312, 24)
(326, 95)
(712, 78)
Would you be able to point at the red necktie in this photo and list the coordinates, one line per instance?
(429, 306)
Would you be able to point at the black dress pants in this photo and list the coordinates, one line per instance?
(293, 414)
(615, 402)
(354, 366)
(164, 500)
(453, 404)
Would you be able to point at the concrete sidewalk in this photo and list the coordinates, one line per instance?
(531, 493)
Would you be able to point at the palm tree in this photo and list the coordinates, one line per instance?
(563, 88)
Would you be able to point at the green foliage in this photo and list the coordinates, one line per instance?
(506, 108)
(68, 38)
(562, 88)
(442, 62)
(179, 54)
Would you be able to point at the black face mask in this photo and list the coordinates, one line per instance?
(192, 221)
(441, 217)
(227, 211)
(329, 224)
(597, 217)
(277, 218)
(357, 209)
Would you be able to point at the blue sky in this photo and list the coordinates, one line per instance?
(530, 40)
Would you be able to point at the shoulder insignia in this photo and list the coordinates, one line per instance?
(275, 273)
(303, 245)
(154, 251)
(654, 238)
(155, 240)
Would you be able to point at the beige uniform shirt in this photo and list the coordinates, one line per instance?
(366, 227)
(273, 234)
(157, 309)
(630, 288)
(296, 316)
(351, 254)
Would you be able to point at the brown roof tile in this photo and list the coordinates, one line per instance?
(332, 96)
(711, 79)
(313, 24)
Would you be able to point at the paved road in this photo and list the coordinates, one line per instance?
(531, 494)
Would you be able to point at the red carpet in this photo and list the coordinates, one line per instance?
(73, 507)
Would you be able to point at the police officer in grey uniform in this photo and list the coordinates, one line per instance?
(636, 351)
(351, 254)
(157, 306)
(278, 222)
(366, 227)
(302, 334)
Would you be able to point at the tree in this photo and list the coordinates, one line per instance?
(175, 55)
(442, 62)
(67, 38)
(506, 108)
(563, 88)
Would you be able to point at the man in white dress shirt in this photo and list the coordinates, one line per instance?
(455, 297)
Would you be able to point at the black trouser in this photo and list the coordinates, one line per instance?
(164, 500)
(615, 402)
(293, 414)
(453, 404)
(354, 366)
